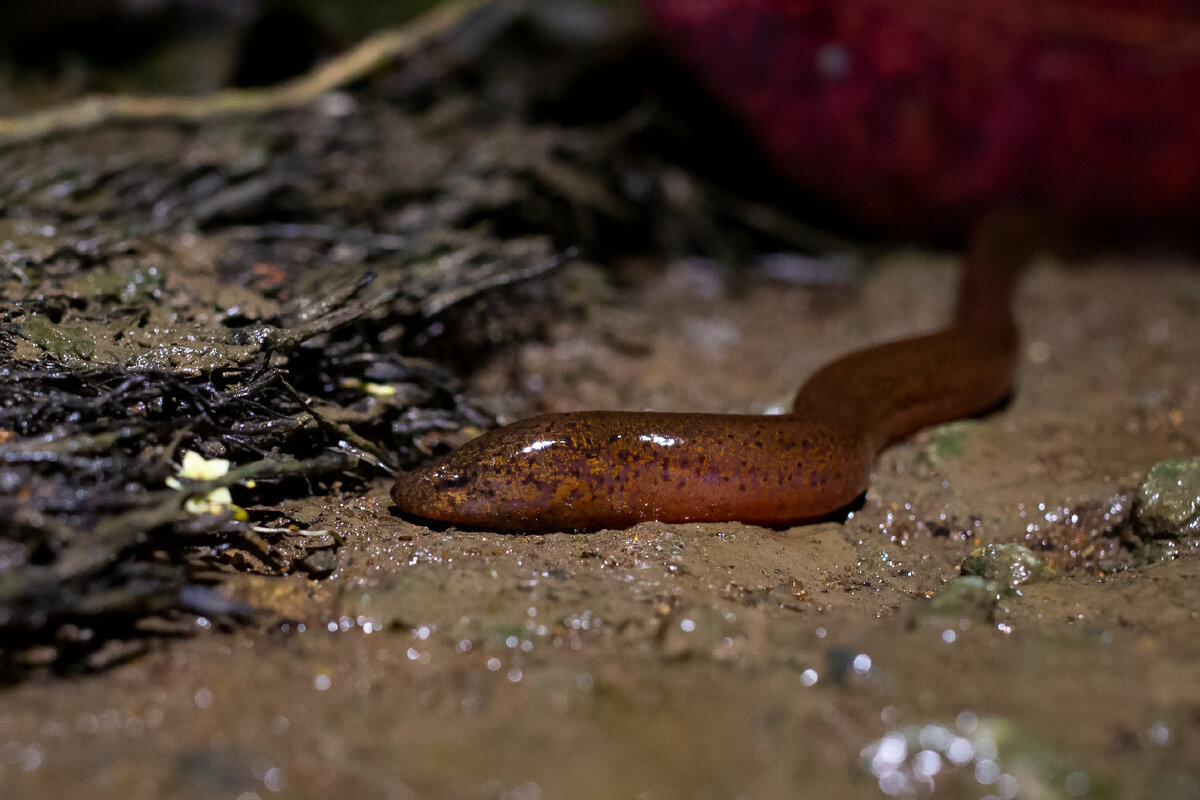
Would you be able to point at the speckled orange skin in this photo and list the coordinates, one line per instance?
(609, 469)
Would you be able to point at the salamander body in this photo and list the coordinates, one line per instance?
(610, 469)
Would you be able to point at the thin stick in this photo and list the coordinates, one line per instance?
(372, 53)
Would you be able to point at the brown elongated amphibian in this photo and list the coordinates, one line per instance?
(611, 469)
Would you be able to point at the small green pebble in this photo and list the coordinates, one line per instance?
(319, 563)
(969, 597)
(1013, 564)
(1168, 501)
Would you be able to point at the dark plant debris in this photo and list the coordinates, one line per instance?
(296, 290)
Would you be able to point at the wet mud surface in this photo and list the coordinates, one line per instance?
(322, 294)
(719, 660)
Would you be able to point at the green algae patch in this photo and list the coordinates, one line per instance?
(132, 283)
(61, 341)
(946, 443)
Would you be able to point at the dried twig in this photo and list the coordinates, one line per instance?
(372, 53)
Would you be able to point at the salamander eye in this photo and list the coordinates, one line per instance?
(451, 481)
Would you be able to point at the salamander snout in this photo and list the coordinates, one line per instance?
(439, 490)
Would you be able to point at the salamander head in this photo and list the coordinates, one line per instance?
(496, 482)
(445, 490)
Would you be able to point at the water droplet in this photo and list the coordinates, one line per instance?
(927, 763)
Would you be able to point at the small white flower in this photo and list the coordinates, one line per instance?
(215, 502)
(199, 468)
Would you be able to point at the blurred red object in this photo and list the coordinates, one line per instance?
(927, 113)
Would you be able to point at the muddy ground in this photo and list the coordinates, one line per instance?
(848, 658)
(716, 660)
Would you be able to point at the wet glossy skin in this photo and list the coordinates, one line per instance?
(608, 469)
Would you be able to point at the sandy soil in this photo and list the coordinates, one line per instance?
(719, 660)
